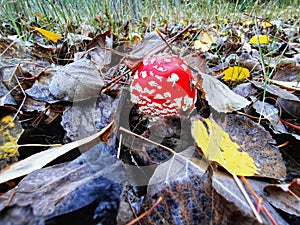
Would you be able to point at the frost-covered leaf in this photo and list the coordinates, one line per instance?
(220, 97)
(285, 197)
(95, 177)
(256, 141)
(217, 146)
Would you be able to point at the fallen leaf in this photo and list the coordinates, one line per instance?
(217, 146)
(194, 194)
(271, 113)
(220, 97)
(205, 40)
(10, 131)
(256, 141)
(259, 39)
(285, 197)
(49, 34)
(235, 73)
(267, 24)
(275, 90)
(76, 81)
(293, 86)
(41, 159)
(94, 177)
(248, 22)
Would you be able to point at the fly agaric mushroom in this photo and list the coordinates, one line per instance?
(163, 86)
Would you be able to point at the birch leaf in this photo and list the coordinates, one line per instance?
(217, 146)
(49, 34)
(236, 73)
(259, 39)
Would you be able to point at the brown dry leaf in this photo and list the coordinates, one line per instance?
(196, 61)
(290, 108)
(150, 45)
(97, 51)
(41, 159)
(271, 113)
(220, 97)
(285, 197)
(193, 194)
(257, 142)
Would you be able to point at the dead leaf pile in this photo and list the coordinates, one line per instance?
(115, 163)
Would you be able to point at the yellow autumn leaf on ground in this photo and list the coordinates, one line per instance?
(266, 24)
(204, 41)
(262, 39)
(217, 146)
(49, 34)
(10, 133)
(248, 22)
(235, 73)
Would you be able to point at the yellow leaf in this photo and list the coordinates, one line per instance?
(205, 41)
(248, 22)
(262, 39)
(217, 146)
(236, 73)
(9, 133)
(48, 34)
(267, 24)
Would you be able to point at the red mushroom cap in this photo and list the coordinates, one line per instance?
(163, 86)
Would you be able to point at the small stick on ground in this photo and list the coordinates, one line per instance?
(265, 210)
(147, 212)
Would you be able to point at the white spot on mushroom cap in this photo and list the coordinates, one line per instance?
(148, 91)
(152, 83)
(137, 87)
(178, 101)
(144, 74)
(188, 102)
(159, 77)
(167, 60)
(158, 96)
(173, 78)
(167, 94)
(161, 69)
(184, 66)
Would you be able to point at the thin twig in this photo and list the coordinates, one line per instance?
(148, 140)
(265, 210)
(146, 213)
(166, 42)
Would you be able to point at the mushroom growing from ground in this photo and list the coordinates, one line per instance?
(163, 86)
